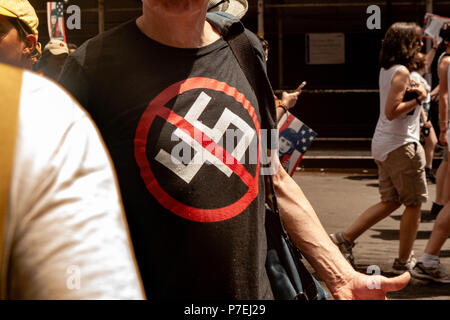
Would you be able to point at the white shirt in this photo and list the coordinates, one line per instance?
(66, 237)
(392, 134)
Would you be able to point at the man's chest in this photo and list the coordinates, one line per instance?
(194, 137)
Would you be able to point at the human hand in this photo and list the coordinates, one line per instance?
(290, 99)
(435, 97)
(370, 287)
(418, 88)
(427, 124)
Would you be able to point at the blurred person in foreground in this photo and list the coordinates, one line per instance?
(65, 235)
(198, 228)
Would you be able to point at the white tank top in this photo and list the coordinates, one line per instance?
(392, 134)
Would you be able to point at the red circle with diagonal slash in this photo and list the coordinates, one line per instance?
(157, 108)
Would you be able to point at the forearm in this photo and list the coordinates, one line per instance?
(423, 115)
(435, 91)
(443, 111)
(401, 109)
(429, 58)
(308, 234)
(280, 113)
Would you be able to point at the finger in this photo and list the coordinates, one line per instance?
(396, 283)
(300, 87)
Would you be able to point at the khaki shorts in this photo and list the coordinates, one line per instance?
(402, 176)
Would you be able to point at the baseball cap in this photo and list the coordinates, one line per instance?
(22, 10)
(237, 8)
(56, 47)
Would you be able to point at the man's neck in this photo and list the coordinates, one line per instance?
(177, 28)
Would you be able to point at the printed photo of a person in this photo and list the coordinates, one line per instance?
(288, 141)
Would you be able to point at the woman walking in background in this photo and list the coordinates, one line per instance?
(395, 146)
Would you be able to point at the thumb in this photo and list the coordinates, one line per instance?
(396, 283)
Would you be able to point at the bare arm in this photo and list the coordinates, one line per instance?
(280, 110)
(395, 107)
(288, 100)
(443, 99)
(69, 232)
(307, 232)
(434, 92)
(430, 55)
(423, 115)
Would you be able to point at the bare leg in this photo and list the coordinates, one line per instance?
(446, 192)
(370, 217)
(408, 231)
(430, 144)
(441, 229)
(441, 190)
(440, 233)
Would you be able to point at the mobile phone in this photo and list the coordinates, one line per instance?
(410, 95)
(300, 87)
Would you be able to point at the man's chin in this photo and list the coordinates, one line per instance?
(177, 6)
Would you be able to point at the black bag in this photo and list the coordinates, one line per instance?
(289, 278)
(410, 95)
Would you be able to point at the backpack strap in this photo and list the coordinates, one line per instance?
(245, 54)
(256, 76)
(249, 54)
(10, 87)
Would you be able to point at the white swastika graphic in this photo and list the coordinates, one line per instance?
(201, 155)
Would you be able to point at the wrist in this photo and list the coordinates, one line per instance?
(284, 107)
(419, 102)
(339, 281)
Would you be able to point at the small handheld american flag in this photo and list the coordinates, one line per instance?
(294, 139)
(55, 21)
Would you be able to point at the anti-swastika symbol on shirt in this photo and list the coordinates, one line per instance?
(203, 155)
(155, 156)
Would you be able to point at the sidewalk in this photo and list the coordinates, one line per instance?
(338, 198)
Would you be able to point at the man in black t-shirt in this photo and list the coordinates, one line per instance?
(183, 127)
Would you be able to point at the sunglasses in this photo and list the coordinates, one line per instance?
(20, 27)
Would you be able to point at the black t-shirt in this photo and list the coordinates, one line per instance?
(182, 127)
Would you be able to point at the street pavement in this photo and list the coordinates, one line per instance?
(339, 197)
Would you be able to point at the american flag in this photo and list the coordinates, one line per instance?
(55, 20)
(295, 138)
(433, 24)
